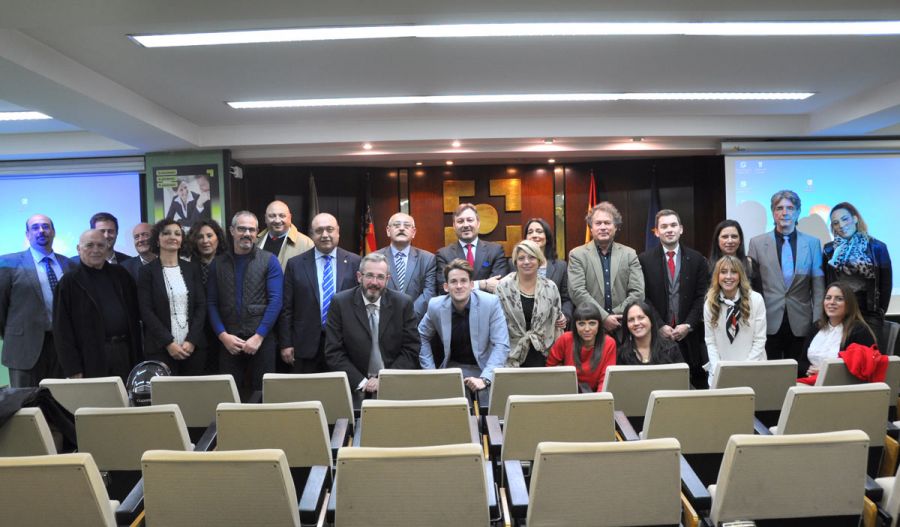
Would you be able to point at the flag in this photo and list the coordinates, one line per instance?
(368, 226)
(592, 200)
(313, 199)
(651, 239)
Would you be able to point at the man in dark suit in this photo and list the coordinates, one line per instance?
(486, 258)
(141, 236)
(108, 225)
(371, 327)
(311, 280)
(412, 270)
(675, 281)
(27, 284)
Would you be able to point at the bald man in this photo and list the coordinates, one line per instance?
(413, 271)
(141, 236)
(281, 237)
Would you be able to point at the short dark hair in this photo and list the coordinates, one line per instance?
(550, 246)
(461, 265)
(666, 212)
(464, 207)
(104, 216)
(157, 230)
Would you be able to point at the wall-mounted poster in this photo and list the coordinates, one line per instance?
(186, 187)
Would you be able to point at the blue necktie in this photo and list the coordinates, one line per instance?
(400, 263)
(51, 274)
(787, 262)
(327, 288)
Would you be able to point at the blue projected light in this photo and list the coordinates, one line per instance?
(868, 182)
(70, 201)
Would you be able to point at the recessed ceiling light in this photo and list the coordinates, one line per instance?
(564, 29)
(551, 161)
(367, 146)
(548, 141)
(449, 163)
(23, 116)
(637, 139)
(418, 163)
(456, 144)
(523, 97)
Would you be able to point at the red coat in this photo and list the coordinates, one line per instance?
(561, 355)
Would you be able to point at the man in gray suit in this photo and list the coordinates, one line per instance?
(469, 326)
(790, 271)
(603, 272)
(27, 284)
(412, 270)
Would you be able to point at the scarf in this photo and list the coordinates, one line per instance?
(547, 308)
(851, 256)
(732, 315)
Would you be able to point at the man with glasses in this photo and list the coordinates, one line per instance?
(413, 271)
(371, 327)
(244, 299)
(311, 281)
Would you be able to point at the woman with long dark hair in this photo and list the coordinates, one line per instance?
(596, 351)
(206, 241)
(539, 231)
(728, 240)
(643, 345)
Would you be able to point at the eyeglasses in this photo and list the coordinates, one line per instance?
(242, 229)
(373, 276)
(404, 224)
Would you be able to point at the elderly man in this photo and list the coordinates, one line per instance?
(487, 260)
(95, 315)
(141, 236)
(413, 271)
(371, 327)
(244, 299)
(793, 282)
(27, 285)
(281, 237)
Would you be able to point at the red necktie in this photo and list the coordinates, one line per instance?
(671, 263)
(469, 256)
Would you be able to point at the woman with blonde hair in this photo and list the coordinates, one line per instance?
(734, 316)
(532, 307)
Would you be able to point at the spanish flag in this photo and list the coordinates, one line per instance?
(592, 200)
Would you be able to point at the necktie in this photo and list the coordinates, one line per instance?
(51, 274)
(787, 262)
(469, 256)
(375, 361)
(327, 287)
(670, 261)
(400, 264)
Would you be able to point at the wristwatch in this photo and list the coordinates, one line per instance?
(487, 382)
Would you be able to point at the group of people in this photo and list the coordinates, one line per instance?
(277, 300)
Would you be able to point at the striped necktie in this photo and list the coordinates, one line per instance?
(400, 264)
(327, 287)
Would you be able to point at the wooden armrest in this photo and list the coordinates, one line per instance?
(893, 431)
(516, 489)
(760, 429)
(339, 435)
(329, 509)
(132, 506)
(357, 434)
(473, 430)
(207, 441)
(873, 490)
(495, 435)
(493, 496)
(624, 426)
(693, 488)
(314, 494)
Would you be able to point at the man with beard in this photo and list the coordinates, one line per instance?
(244, 298)
(371, 327)
(486, 258)
(145, 254)
(281, 237)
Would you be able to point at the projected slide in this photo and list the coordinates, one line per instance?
(871, 183)
(70, 201)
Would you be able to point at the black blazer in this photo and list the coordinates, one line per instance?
(300, 325)
(693, 282)
(348, 340)
(153, 300)
(859, 334)
(489, 261)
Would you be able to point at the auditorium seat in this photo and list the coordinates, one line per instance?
(797, 480)
(769, 380)
(609, 484)
(391, 424)
(26, 433)
(890, 501)
(332, 389)
(556, 380)
(245, 487)
(631, 386)
(64, 489)
(891, 332)
(98, 392)
(410, 385)
(438, 486)
(196, 396)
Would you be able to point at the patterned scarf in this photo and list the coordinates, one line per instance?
(851, 256)
(543, 331)
(732, 316)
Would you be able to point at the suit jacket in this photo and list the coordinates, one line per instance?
(348, 339)
(693, 281)
(23, 315)
(557, 272)
(803, 299)
(297, 243)
(153, 300)
(489, 261)
(586, 277)
(300, 325)
(133, 266)
(120, 259)
(487, 330)
(193, 215)
(421, 276)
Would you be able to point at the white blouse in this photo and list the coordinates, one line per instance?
(177, 292)
(748, 345)
(825, 345)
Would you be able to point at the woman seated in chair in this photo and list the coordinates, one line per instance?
(643, 345)
(597, 351)
(734, 317)
(841, 324)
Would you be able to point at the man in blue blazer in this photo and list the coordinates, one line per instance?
(311, 280)
(413, 271)
(487, 259)
(469, 326)
(793, 282)
(27, 286)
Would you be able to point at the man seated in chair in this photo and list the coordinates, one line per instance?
(470, 327)
(371, 327)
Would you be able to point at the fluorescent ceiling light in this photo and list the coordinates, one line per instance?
(565, 29)
(23, 116)
(524, 97)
